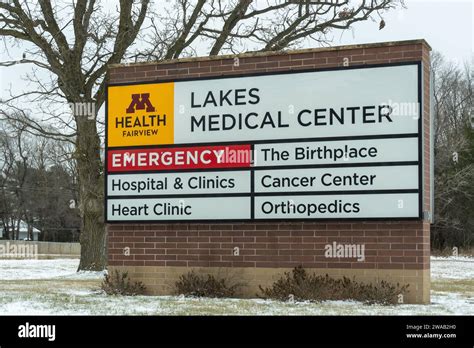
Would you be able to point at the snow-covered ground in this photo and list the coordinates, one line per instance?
(460, 267)
(43, 269)
(52, 287)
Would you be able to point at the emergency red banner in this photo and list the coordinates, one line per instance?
(177, 158)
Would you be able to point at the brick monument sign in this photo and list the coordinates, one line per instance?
(249, 165)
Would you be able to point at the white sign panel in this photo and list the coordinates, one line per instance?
(371, 101)
(178, 183)
(343, 206)
(337, 179)
(332, 152)
(178, 209)
(339, 143)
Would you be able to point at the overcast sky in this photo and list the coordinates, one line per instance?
(447, 25)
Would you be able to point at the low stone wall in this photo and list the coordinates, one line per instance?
(28, 249)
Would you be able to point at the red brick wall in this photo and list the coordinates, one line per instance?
(389, 245)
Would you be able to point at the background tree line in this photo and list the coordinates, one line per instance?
(38, 185)
(453, 107)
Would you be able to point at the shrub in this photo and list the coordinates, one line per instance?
(206, 285)
(310, 287)
(119, 284)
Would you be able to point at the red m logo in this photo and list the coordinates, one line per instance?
(139, 102)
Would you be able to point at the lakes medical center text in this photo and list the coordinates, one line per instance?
(326, 144)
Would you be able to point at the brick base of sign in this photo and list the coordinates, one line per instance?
(161, 280)
(157, 254)
(397, 251)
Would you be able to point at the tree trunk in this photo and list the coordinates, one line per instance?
(90, 179)
(29, 232)
(6, 229)
(17, 232)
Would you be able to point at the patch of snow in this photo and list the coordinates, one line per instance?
(37, 269)
(33, 269)
(24, 307)
(459, 267)
(85, 275)
(78, 292)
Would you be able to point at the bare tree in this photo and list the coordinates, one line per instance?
(36, 186)
(75, 41)
(8, 202)
(15, 163)
(79, 67)
(454, 153)
(241, 25)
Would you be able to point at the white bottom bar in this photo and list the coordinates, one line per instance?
(397, 205)
(156, 209)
